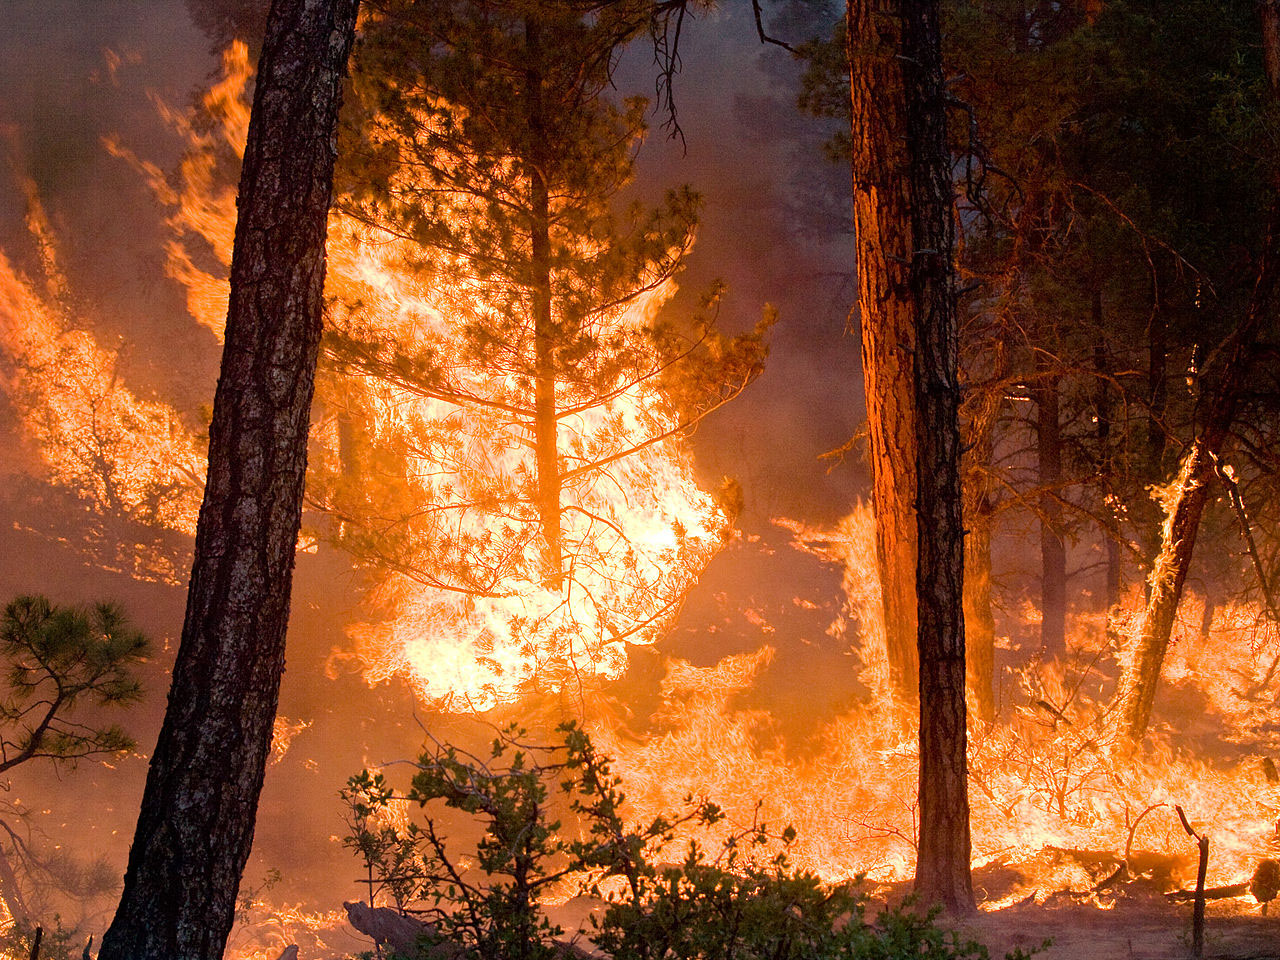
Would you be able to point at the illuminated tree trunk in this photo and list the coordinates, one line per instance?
(882, 226)
(1106, 461)
(902, 210)
(1136, 689)
(546, 444)
(979, 622)
(1053, 553)
(197, 818)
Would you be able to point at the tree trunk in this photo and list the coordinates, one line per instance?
(1106, 464)
(1157, 443)
(546, 444)
(197, 818)
(1186, 500)
(1053, 553)
(943, 861)
(979, 622)
(979, 485)
(886, 309)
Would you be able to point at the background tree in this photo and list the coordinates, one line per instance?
(887, 318)
(1223, 387)
(200, 802)
(903, 217)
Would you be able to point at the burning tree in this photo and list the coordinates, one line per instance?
(530, 494)
(519, 490)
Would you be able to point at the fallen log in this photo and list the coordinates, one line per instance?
(393, 929)
(1210, 893)
(404, 934)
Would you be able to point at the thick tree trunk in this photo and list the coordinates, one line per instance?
(546, 443)
(886, 309)
(1053, 553)
(197, 818)
(1185, 503)
(943, 861)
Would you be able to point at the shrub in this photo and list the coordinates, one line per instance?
(745, 902)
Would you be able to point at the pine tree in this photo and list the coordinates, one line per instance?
(544, 457)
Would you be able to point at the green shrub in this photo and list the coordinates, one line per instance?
(744, 903)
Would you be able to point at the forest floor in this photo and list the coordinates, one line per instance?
(1154, 930)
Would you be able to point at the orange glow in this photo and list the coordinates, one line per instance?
(476, 626)
(123, 456)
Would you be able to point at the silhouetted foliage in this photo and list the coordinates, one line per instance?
(740, 901)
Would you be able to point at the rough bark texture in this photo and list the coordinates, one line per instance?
(546, 444)
(886, 308)
(1053, 553)
(196, 823)
(943, 861)
(1189, 494)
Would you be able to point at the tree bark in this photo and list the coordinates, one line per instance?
(943, 860)
(198, 810)
(886, 309)
(1053, 553)
(1189, 494)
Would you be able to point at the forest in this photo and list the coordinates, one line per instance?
(639, 479)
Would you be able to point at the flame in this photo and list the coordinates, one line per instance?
(200, 197)
(463, 609)
(1050, 798)
(262, 932)
(123, 456)
(1053, 807)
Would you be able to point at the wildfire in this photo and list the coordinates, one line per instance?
(1054, 806)
(123, 456)
(440, 512)
(423, 472)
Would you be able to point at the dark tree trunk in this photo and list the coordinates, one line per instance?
(197, 818)
(886, 309)
(906, 297)
(1157, 442)
(943, 861)
(546, 444)
(1136, 689)
(1053, 553)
